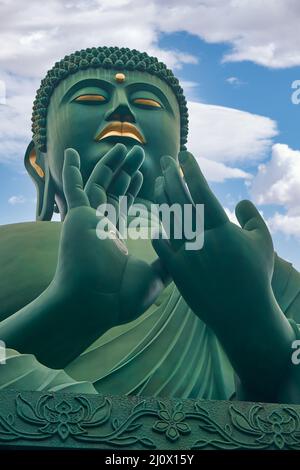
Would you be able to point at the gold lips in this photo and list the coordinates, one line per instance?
(123, 129)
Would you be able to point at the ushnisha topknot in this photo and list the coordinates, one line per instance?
(102, 57)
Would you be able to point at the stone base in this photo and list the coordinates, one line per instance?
(65, 420)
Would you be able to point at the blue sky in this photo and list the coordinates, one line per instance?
(236, 60)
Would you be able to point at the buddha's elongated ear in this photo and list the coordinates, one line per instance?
(37, 166)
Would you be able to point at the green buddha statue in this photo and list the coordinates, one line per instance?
(146, 317)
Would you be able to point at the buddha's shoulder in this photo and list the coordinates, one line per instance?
(28, 231)
(28, 257)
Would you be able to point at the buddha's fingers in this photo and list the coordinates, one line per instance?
(123, 203)
(250, 219)
(72, 180)
(103, 174)
(187, 217)
(201, 193)
(170, 217)
(174, 185)
(166, 263)
(134, 188)
(122, 179)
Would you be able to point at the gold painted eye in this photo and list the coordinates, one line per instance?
(147, 102)
(90, 98)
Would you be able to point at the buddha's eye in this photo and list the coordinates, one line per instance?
(90, 99)
(147, 103)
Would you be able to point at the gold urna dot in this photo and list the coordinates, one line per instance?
(120, 77)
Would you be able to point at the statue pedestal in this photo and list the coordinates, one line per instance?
(66, 420)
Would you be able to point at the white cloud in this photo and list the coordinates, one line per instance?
(235, 81)
(227, 136)
(13, 200)
(218, 172)
(278, 182)
(38, 35)
(14, 133)
(190, 89)
(15, 124)
(265, 32)
(287, 224)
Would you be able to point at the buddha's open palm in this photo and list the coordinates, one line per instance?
(112, 286)
(224, 281)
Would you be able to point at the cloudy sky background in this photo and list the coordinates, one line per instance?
(236, 59)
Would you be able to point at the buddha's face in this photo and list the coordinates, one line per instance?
(94, 109)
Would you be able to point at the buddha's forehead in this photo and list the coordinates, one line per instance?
(106, 77)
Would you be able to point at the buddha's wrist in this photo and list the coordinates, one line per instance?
(56, 327)
(260, 349)
(80, 320)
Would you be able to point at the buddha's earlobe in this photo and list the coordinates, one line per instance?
(37, 166)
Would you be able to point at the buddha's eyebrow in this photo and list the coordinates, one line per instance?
(88, 82)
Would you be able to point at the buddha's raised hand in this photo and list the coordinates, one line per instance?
(97, 284)
(215, 279)
(227, 282)
(99, 272)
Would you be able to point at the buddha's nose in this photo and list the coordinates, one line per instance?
(121, 110)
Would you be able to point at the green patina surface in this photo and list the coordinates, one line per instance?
(81, 315)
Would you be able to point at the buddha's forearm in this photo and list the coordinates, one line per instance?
(287, 391)
(54, 327)
(261, 351)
